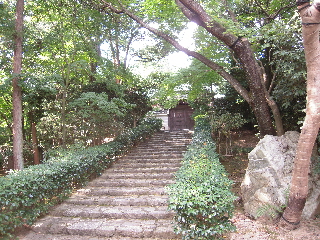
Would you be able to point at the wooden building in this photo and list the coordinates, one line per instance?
(179, 118)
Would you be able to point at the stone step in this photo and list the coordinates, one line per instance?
(122, 191)
(129, 164)
(159, 176)
(160, 149)
(144, 170)
(162, 139)
(149, 159)
(146, 153)
(165, 142)
(38, 236)
(113, 212)
(162, 143)
(100, 182)
(153, 156)
(169, 140)
(135, 228)
(133, 200)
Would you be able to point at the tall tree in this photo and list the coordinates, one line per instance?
(17, 92)
(72, 58)
(258, 98)
(310, 16)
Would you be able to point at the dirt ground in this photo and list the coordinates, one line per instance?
(236, 163)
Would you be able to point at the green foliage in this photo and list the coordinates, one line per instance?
(154, 53)
(274, 31)
(95, 111)
(96, 116)
(270, 210)
(201, 196)
(222, 123)
(5, 113)
(7, 12)
(196, 81)
(165, 13)
(28, 194)
(282, 56)
(273, 210)
(225, 122)
(140, 106)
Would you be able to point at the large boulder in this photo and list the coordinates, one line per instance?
(268, 176)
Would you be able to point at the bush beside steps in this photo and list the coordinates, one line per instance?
(202, 197)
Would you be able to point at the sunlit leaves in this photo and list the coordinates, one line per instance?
(161, 10)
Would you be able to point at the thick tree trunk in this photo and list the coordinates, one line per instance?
(299, 185)
(17, 93)
(259, 103)
(242, 49)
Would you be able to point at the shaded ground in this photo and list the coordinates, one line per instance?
(247, 228)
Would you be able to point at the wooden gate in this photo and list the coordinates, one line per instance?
(180, 118)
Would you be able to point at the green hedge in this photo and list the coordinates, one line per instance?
(28, 194)
(201, 196)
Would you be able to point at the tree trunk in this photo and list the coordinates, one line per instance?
(63, 118)
(36, 154)
(273, 106)
(17, 93)
(94, 62)
(299, 185)
(242, 49)
(66, 83)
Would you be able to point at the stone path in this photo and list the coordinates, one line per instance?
(127, 202)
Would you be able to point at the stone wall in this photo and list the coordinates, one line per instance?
(268, 176)
(164, 117)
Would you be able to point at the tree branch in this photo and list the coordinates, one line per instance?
(272, 104)
(112, 8)
(220, 70)
(230, 12)
(189, 14)
(262, 9)
(273, 16)
(207, 22)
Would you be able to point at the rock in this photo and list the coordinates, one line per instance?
(268, 177)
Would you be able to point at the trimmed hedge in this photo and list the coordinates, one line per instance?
(26, 195)
(201, 195)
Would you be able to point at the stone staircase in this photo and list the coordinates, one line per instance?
(128, 201)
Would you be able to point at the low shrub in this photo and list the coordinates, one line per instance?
(201, 195)
(28, 194)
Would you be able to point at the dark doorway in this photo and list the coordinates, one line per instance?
(180, 117)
